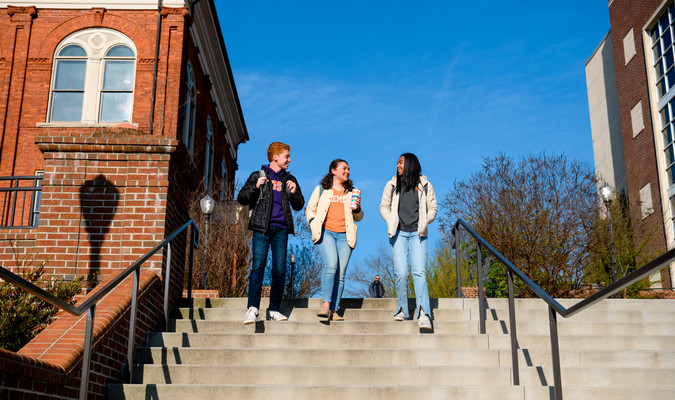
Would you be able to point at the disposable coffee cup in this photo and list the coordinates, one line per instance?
(356, 195)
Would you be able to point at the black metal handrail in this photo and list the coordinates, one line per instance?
(554, 307)
(27, 198)
(89, 306)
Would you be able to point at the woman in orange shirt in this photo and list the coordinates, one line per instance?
(332, 222)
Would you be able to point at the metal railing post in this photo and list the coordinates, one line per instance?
(458, 236)
(86, 356)
(132, 323)
(191, 262)
(555, 353)
(481, 296)
(514, 334)
(167, 285)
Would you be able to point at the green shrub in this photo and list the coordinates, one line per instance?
(22, 315)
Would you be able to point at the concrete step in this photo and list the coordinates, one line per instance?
(327, 391)
(319, 341)
(316, 303)
(320, 325)
(305, 314)
(593, 358)
(601, 377)
(403, 356)
(664, 305)
(327, 356)
(379, 392)
(355, 314)
(321, 374)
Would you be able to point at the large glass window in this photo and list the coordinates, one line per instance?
(118, 80)
(663, 53)
(68, 91)
(93, 78)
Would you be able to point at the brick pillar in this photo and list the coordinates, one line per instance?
(103, 201)
(21, 19)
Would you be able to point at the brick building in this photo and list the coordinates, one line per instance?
(117, 111)
(631, 86)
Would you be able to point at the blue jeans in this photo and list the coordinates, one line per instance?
(335, 253)
(276, 238)
(405, 244)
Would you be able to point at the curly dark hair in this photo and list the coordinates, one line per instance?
(327, 181)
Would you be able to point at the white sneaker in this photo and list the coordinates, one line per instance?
(251, 316)
(424, 322)
(277, 316)
(399, 317)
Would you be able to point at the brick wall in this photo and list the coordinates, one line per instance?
(639, 151)
(50, 365)
(103, 201)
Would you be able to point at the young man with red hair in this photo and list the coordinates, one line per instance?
(270, 194)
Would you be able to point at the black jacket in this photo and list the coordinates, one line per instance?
(260, 217)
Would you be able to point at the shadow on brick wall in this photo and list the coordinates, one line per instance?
(98, 202)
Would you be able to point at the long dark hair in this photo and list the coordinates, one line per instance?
(411, 172)
(327, 181)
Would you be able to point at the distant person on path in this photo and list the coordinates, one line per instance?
(408, 206)
(270, 193)
(376, 288)
(331, 212)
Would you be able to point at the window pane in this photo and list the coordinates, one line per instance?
(119, 75)
(669, 58)
(667, 40)
(67, 106)
(671, 78)
(72, 51)
(670, 155)
(659, 69)
(662, 87)
(667, 135)
(664, 22)
(70, 75)
(120, 51)
(116, 107)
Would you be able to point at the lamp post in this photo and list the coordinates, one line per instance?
(607, 194)
(207, 204)
(292, 259)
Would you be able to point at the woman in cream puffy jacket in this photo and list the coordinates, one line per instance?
(408, 206)
(332, 222)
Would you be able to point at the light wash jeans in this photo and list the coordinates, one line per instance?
(405, 244)
(335, 253)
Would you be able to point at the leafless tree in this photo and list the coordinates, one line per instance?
(228, 252)
(361, 275)
(539, 212)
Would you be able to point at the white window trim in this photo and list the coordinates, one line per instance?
(96, 42)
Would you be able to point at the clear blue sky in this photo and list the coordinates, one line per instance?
(452, 82)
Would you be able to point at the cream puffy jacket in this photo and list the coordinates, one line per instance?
(317, 209)
(427, 203)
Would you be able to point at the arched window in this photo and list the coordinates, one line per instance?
(190, 104)
(208, 160)
(93, 78)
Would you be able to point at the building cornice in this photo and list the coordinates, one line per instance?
(88, 4)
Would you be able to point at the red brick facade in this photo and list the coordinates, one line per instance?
(110, 192)
(32, 36)
(639, 151)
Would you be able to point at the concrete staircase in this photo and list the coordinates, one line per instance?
(620, 349)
